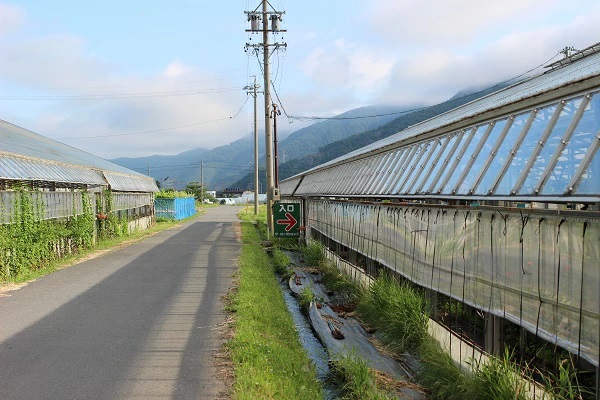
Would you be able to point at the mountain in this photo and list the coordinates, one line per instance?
(309, 140)
(356, 141)
(219, 166)
(229, 163)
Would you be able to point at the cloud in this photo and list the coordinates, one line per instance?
(447, 22)
(80, 94)
(11, 18)
(51, 61)
(434, 73)
(177, 69)
(348, 67)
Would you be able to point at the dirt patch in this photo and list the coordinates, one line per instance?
(9, 287)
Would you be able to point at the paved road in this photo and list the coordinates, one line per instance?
(138, 323)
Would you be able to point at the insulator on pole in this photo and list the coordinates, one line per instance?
(254, 22)
(275, 22)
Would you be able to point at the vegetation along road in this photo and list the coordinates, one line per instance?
(137, 323)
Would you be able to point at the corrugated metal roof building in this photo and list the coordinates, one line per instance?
(27, 157)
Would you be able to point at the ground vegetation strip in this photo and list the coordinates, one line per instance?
(269, 361)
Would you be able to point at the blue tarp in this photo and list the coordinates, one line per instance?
(178, 208)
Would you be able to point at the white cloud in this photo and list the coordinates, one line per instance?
(11, 18)
(434, 73)
(448, 22)
(177, 69)
(348, 67)
(51, 61)
(62, 65)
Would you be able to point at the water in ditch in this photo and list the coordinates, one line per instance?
(313, 347)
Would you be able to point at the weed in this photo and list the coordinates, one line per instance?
(439, 374)
(280, 261)
(313, 254)
(347, 292)
(305, 298)
(397, 311)
(497, 378)
(564, 385)
(355, 379)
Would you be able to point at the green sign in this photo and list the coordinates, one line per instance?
(286, 218)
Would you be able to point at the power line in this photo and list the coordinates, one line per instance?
(157, 130)
(122, 95)
(142, 132)
(148, 83)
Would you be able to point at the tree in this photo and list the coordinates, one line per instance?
(198, 191)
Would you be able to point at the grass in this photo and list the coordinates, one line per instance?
(103, 245)
(269, 361)
(313, 254)
(397, 311)
(305, 298)
(280, 262)
(352, 375)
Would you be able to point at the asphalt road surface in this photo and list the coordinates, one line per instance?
(142, 322)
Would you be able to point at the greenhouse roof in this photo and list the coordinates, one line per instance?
(28, 156)
(537, 140)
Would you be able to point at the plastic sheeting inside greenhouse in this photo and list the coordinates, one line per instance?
(538, 270)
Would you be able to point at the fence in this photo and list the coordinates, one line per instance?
(176, 209)
(540, 271)
(57, 205)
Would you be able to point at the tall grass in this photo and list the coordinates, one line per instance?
(439, 374)
(347, 292)
(397, 311)
(355, 379)
(305, 298)
(280, 261)
(313, 254)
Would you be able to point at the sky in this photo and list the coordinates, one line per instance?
(133, 78)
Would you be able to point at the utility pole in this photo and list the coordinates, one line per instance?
(275, 18)
(148, 169)
(201, 182)
(268, 134)
(275, 113)
(253, 92)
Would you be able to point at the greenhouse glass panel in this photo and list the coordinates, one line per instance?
(397, 158)
(447, 161)
(432, 147)
(527, 148)
(573, 153)
(492, 138)
(550, 146)
(385, 166)
(405, 164)
(439, 162)
(590, 179)
(423, 148)
(439, 147)
(491, 175)
(466, 157)
(455, 160)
